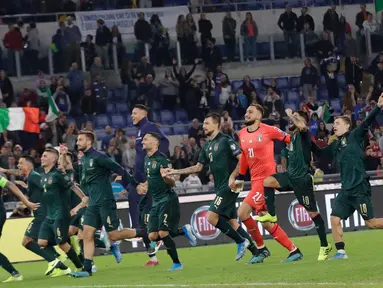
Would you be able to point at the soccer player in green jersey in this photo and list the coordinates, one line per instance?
(221, 154)
(298, 178)
(348, 153)
(54, 229)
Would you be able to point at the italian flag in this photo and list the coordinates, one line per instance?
(378, 5)
(53, 111)
(15, 119)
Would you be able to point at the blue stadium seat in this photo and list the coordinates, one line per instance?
(323, 94)
(293, 97)
(322, 80)
(110, 94)
(131, 132)
(263, 50)
(167, 117)
(295, 82)
(235, 85)
(110, 108)
(156, 105)
(341, 80)
(180, 130)
(129, 120)
(257, 83)
(122, 108)
(119, 95)
(167, 130)
(156, 117)
(292, 106)
(263, 96)
(283, 83)
(280, 49)
(335, 104)
(118, 121)
(181, 116)
(101, 121)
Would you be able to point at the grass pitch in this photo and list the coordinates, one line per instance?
(215, 266)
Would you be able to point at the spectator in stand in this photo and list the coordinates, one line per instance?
(128, 74)
(113, 152)
(70, 137)
(120, 138)
(255, 99)
(31, 49)
(305, 18)
(229, 27)
(226, 119)
(322, 131)
(195, 131)
(247, 87)
(350, 47)
(349, 98)
(331, 20)
(343, 29)
(145, 68)
(232, 105)
(249, 31)
(330, 72)
(53, 81)
(168, 87)
(129, 156)
(193, 98)
(378, 77)
(73, 39)
(76, 84)
(160, 43)
(190, 30)
(181, 35)
(105, 139)
(183, 78)
(324, 47)
(210, 184)
(96, 69)
(103, 40)
(372, 27)
(225, 90)
(179, 187)
(288, 22)
(61, 125)
(89, 103)
(143, 33)
(314, 124)
(354, 73)
(147, 94)
(100, 91)
(178, 159)
(272, 85)
(229, 131)
(13, 42)
(204, 27)
(43, 93)
(6, 89)
(360, 105)
(372, 155)
(273, 103)
(361, 16)
(213, 56)
(192, 184)
(62, 100)
(243, 102)
(117, 40)
(90, 51)
(311, 106)
(28, 98)
(310, 38)
(58, 48)
(370, 24)
(309, 79)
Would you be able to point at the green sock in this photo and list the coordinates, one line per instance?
(35, 248)
(270, 200)
(171, 248)
(72, 255)
(252, 248)
(4, 262)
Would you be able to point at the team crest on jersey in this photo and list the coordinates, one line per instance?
(216, 147)
(50, 180)
(260, 138)
(232, 146)
(343, 142)
(154, 164)
(91, 162)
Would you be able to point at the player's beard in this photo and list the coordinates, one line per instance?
(249, 122)
(208, 133)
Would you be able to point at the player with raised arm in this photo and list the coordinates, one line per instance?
(348, 153)
(54, 229)
(256, 142)
(4, 262)
(220, 153)
(298, 178)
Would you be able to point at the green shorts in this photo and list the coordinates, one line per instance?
(344, 205)
(102, 215)
(144, 216)
(224, 204)
(76, 219)
(33, 228)
(165, 216)
(55, 231)
(303, 189)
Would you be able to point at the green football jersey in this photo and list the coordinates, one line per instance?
(221, 155)
(157, 187)
(55, 186)
(74, 200)
(299, 154)
(36, 193)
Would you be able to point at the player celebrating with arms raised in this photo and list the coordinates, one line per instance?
(348, 151)
(257, 146)
(220, 153)
(298, 178)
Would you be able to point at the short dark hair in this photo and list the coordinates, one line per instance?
(89, 134)
(304, 115)
(155, 135)
(141, 107)
(216, 118)
(52, 150)
(346, 119)
(29, 159)
(258, 107)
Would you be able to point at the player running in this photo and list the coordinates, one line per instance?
(4, 262)
(220, 153)
(348, 153)
(256, 142)
(54, 229)
(298, 178)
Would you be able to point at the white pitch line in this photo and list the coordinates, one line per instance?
(260, 284)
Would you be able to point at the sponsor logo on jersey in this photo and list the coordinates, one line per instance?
(299, 218)
(201, 227)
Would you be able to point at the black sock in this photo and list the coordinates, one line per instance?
(226, 229)
(72, 255)
(270, 200)
(81, 257)
(51, 251)
(81, 243)
(340, 246)
(88, 265)
(4, 262)
(252, 248)
(61, 266)
(181, 232)
(35, 248)
(171, 248)
(321, 230)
